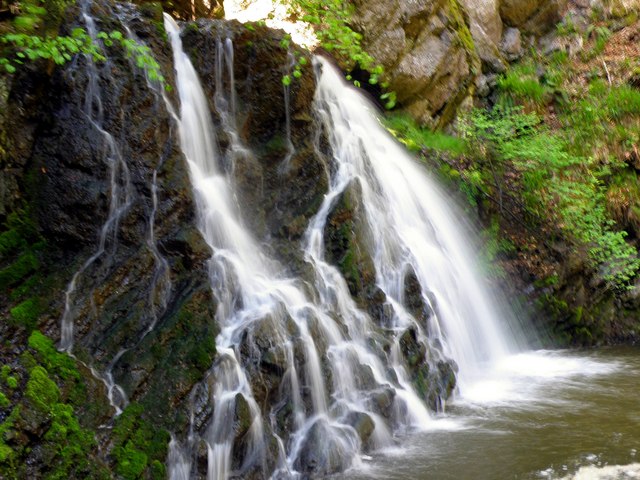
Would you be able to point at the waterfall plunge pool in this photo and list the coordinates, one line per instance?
(540, 415)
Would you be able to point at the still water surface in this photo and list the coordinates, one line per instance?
(540, 415)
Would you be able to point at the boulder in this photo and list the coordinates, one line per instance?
(532, 16)
(511, 44)
(326, 449)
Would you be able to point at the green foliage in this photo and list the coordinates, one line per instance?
(601, 35)
(557, 184)
(58, 49)
(521, 83)
(131, 461)
(12, 382)
(31, 42)
(4, 401)
(331, 20)
(623, 100)
(140, 54)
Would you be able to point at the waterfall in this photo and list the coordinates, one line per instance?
(344, 386)
(411, 226)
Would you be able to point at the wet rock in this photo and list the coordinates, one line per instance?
(345, 236)
(326, 450)
(413, 349)
(362, 423)
(242, 416)
(413, 299)
(382, 401)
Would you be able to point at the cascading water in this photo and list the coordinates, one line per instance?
(345, 385)
(253, 295)
(411, 228)
(121, 200)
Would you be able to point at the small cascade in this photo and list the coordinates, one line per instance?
(161, 285)
(121, 199)
(411, 228)
(233, 249)
(120, 191)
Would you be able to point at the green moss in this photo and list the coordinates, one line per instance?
(54, 361)
(10, 242)
(203, 352)
(131, 462)
(461, 27)
(5, 453)
(25, 288)
(5, 371)
(12, 382)
(139, 446)
(4, 401)
(26, 313)
(158, 470)
(42, 392)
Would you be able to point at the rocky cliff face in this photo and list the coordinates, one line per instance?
(435, 52)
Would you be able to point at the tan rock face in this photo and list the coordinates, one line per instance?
(433, 50)
(484, 16)
(426, 49)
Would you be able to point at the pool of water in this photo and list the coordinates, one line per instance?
(540, 415)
